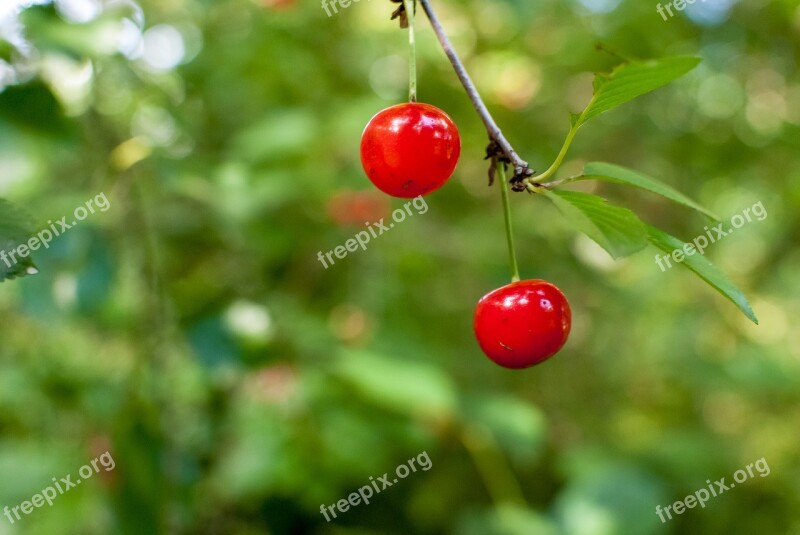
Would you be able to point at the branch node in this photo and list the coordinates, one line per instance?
(499, 149)
(400, 13)
(495, 153)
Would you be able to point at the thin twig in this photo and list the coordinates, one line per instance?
(521, 169)
(411, 8)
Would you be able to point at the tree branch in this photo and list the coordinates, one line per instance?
(521, 169)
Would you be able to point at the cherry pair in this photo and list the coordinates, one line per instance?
(412, 149)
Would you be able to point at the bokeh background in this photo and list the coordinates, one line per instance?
(191, 331)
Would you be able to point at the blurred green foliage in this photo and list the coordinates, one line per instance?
(239, 385)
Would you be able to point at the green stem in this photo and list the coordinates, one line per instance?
(558, 161)
(556, 183)
(512, 254)
(412, 49)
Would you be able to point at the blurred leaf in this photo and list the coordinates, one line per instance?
(96, 277)
(15, 230)
(703, 268)
(405, 386)
(506, 520)
(280, 134)
(258, 459)
(621, 175)
(49, 32)
(518, 426)
(28, 466)
(139, 449)
(6, 50)
(630, 80)
(617, 230)
(32, 106)
(614, 499)
(213, 344)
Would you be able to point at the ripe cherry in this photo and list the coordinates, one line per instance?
(410, 149)
(523, 323)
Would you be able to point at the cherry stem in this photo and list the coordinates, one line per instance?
(521, 168)
(512, 254)
(410, 6)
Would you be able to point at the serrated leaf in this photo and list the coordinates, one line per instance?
(621, 175)
(14, 231)
(617, 230)
(703, 267)
(631, 80)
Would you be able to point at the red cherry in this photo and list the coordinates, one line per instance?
(410, 149)
(523, 323)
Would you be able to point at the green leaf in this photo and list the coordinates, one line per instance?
(703, 268)
(630, 80)
(401, 385)
(622, 175)
(14, 231)
(617, 230)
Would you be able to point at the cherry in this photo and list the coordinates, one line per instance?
(410, 149)
(523, 323)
